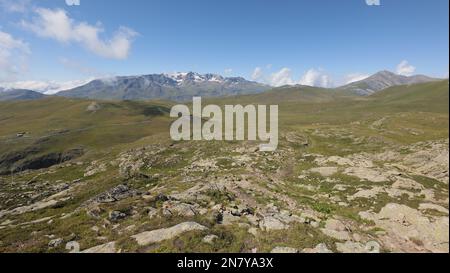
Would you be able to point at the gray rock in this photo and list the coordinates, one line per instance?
(272, 223)
(55, 242)
(320, 248)
(176, 208)
(116, 216)
(115, 194)
(105, 248)
(159, 235)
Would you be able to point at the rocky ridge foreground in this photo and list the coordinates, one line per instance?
(208, 197)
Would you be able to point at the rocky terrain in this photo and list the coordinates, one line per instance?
(376, 181)
(185, 197)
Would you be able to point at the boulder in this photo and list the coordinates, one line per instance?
(159, 235)
(105, 248)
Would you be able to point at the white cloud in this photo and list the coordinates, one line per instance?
(355, 77)
(316, 78)
(13, 56)
(7, 41)
(47, 87)
(282, 77)
(56, 24)
(312, 77)
(257, 74)
(405, 69)
(279, 78)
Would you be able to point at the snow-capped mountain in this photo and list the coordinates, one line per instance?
(181, 78)
(176, 86)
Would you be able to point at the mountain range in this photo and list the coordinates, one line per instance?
(176, 87)
(183, 86)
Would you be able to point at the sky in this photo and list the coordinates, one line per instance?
(49, 45)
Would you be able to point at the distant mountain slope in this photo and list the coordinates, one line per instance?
(383, 80)
(177, 87)
(290, 94)
(425, 97)
(19, 94)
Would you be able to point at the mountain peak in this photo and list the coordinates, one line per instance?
(382, 80)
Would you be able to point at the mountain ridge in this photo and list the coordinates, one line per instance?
(383, 80)
(182, 86)
(19, 94)
(177, 87)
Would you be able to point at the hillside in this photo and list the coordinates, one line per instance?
(427, 97)
(55, 126)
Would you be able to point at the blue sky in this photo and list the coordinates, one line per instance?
(320, 42)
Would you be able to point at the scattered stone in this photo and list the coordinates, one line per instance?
(159, 235)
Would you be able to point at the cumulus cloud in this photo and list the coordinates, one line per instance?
(282, 77)
(13, 56)
(405, 69)
(257, 74)
(355, 77)
(278, 78)
(316, 78)
(47, 87)
(56, 24)
(313, 77)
